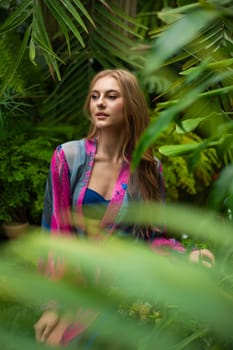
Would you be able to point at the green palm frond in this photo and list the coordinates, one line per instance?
(21, 14)
(68, 15)
(9, 43)
(66, 101)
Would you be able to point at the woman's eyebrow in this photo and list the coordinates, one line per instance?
(107, 91)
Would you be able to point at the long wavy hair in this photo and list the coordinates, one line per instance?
(136, 119)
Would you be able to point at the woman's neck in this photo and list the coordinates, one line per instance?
(109, 146)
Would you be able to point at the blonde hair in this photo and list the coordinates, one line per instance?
(136, 121)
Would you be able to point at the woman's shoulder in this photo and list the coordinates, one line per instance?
(77, 151)
(72, 145)
(74, 150)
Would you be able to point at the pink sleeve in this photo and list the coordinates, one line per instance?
(59, 188)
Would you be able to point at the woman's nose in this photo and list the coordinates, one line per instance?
(101, 102)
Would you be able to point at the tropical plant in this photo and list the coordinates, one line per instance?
(26, 164)
(181, 182)
(25, 152)
(70, 41)
(150, 300)
(196, 44)
(148, 297)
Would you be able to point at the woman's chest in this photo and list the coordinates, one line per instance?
(103, 178)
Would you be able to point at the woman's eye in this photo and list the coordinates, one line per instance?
(112, 97)
(94, 97)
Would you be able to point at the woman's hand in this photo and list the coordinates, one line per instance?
(203, 256)
(45, 325)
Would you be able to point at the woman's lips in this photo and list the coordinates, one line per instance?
(101, 115)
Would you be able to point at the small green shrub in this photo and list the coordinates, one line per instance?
(23, 172)
(181, 182)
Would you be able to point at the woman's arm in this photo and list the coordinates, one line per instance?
(57, 200)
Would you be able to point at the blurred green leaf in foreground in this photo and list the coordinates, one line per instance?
(146, 299)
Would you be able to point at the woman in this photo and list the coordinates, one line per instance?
(95, 172)
(98, 169)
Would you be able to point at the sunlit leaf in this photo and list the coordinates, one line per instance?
(32, 51)
(177, 150)
(159, 125)
(188, 125)
(169, 15)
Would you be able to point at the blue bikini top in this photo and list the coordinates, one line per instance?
(94, 205)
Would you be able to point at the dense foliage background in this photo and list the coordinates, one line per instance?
(181, 52)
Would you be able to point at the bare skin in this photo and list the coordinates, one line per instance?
(202, 256)
(106, 108)
(45, 326)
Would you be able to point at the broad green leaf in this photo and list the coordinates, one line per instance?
(224, 63)
(186, 296)
(219, 91)
(169, 284)
(169, 15)
(178, 150)
(188, 125)
(156, 127)
(194, 74)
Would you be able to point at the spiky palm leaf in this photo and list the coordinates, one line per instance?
(30, 13)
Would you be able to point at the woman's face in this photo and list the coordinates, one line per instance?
(107, 104)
